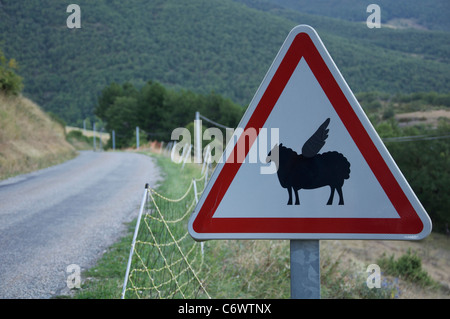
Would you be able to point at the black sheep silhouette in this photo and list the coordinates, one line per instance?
(311, 170)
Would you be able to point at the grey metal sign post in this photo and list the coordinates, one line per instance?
(305, 269)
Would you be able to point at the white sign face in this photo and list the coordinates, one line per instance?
(341, 184)
(363, 195)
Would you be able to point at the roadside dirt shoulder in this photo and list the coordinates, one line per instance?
(434, 252)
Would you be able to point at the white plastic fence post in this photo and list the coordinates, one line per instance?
(172, 153)
(207, 154)
(198, 139)
(196, 201)
(141, 210)
(195, 191)
(95, 146)
(187, 156)
(208, 162)
(137, 137)
(114, 140)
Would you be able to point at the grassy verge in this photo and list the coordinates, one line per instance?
(249, 269)
(105, 279)
(29, 138)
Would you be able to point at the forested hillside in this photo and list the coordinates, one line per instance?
(201, 45)
(431, 14)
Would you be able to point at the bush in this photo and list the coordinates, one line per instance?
(408, 267)
(10, 82)
(77, 135)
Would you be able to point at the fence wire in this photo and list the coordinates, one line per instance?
(165, 262)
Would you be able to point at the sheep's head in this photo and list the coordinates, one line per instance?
(274, 154)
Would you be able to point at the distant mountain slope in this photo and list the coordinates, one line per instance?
(201, 45)
(431, 14)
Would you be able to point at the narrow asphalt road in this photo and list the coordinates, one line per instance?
(66, 215)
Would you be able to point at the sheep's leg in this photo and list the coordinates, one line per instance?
(330, 200)
(341, 197)
(297, 200)
(289, 189)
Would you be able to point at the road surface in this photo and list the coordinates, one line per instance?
(66, 215)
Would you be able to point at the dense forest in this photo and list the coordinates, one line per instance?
(200, 45)
(157, 111)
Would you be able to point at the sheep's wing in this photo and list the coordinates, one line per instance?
(313, 145)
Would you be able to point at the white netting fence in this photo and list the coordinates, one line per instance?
(165, 262)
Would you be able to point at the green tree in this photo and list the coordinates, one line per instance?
(107, 98)
(153, 114)
(10, 82)
(122, 118)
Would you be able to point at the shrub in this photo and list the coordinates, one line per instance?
(408, 267)
(10, 82)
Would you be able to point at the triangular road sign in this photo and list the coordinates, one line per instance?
(344, 185)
